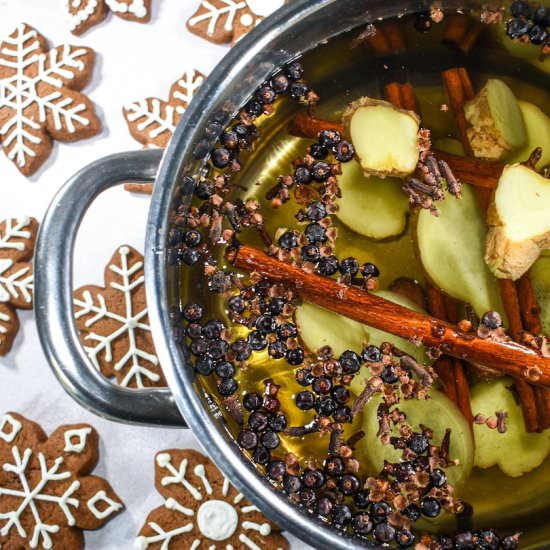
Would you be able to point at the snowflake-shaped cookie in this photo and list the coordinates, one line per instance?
(114, 325)
(202, 510)
(226, 21)
(39, 97)
(152, 121)
(46, 494)
(83, 14)
(17, 237)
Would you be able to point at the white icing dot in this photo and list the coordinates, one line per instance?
(163, 459)
(141, 543)
(14, 425)
(247, 20)
(217, 520)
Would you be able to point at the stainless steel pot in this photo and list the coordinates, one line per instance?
(297, 28)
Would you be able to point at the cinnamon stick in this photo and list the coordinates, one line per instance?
(460, 90)
(462, 31)
(477, 172)
(450, 370)
(388, 39)
(507, 357)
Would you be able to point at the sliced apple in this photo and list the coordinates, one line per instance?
(537, 125)
(374, 207)
(451, 249)
(519, 222)
(438, 413)
(514, 451)
(496, 123)
(540, 276)
(385, 137)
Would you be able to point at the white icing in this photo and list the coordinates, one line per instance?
(263, 8)
(164, 460)
(213, 15)
(200, 472)
(76, 446)
(3, 330)
(264, 529)
(127, 325)
(247, 20)
(8, 421)
(15, 229)
(249, 509)
(21, 93)
(248, 542)
(186, 89)
(217, 520)
(225, 487)
(136, 7)
(16, 285)
(195, 545)
(153, 115)
(102, 497)
(143, 542)
(30, 496)
(81, 15)
(238, 498)
(173, 504)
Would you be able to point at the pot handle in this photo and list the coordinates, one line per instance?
(53, 300)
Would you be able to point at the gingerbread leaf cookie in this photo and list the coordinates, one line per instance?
(226, 21)
(114, 326)
(152, 121)
(17, 237)
(202, 510)
(46, 493)
(40, 98)
(83, 14)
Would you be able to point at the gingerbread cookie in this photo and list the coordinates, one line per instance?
(17, 238)
(83, 14)
(46, 495)
(226, 21)
(202, 510)
(114, 326)
(39, 97)
(152, 121)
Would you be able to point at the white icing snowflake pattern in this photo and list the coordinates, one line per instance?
(115, 319)
(152, 121)
(223, 21)
(15, 285)
(36, 100)
(208, 510)
(41, 487)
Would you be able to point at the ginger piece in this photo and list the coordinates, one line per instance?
(519, 222)
(496, 123)
(385, 138)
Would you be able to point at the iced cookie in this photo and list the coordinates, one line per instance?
(17, 237)
(47, 496)
(83, 14)
(40, 99)
(202, 510)
(114, 325)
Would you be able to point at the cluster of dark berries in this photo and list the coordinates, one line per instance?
(485, 539)
(529, 23)
(264, 314)
(242, 135)
(210, 349)
(260, 434)
(330, 141)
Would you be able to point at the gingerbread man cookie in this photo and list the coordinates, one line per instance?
(202, 510)
(47, 496)
(83, 14)
(17, 238)
(152, 121)
(226, 21)
(39, 97)
(114, 326)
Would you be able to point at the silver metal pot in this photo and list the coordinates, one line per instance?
(297, 28)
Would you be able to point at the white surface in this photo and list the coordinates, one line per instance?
(133, 61)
